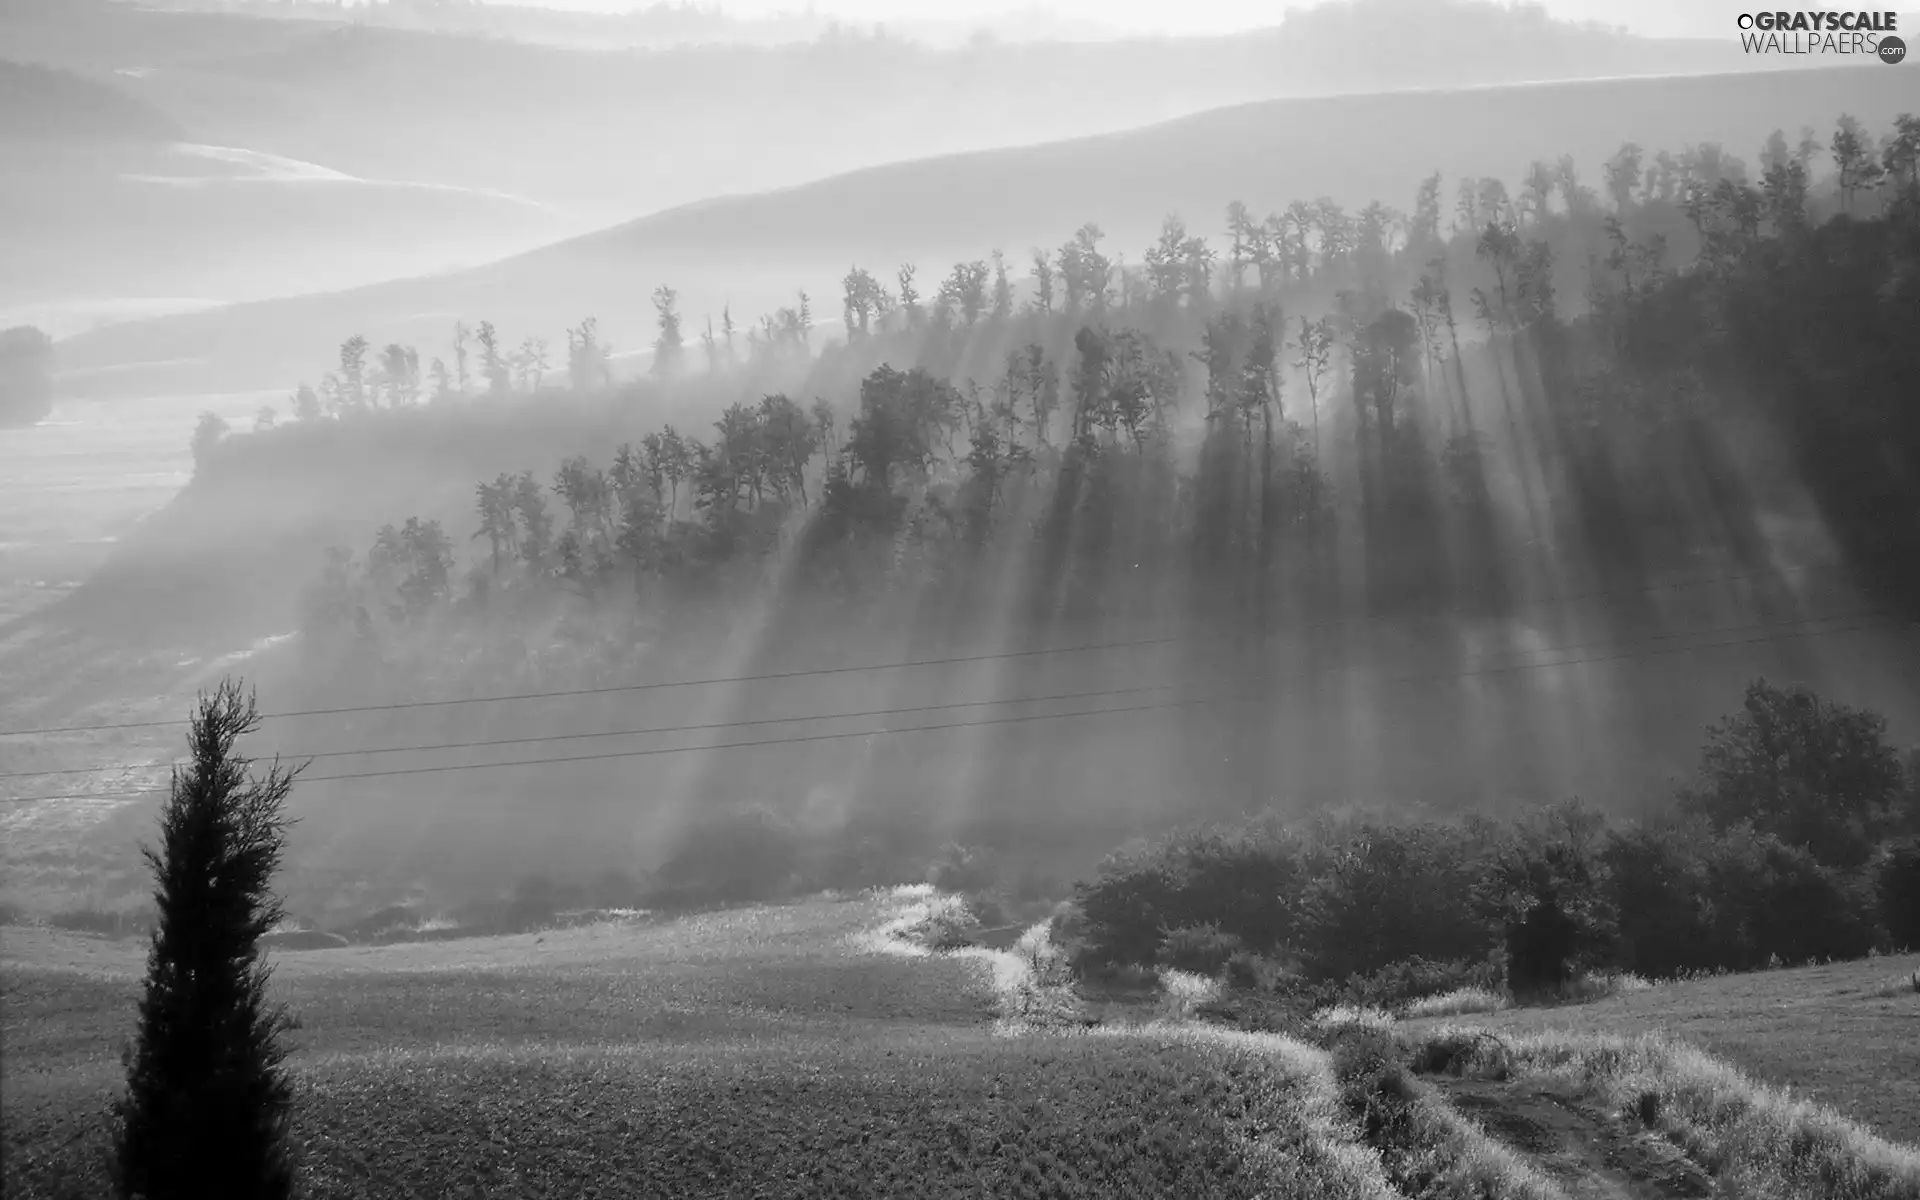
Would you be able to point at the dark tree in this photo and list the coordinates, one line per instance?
(1547, 896)
(208, 1107)
(1897, 880)
(1812, 772)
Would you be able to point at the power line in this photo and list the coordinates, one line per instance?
(952, 660)
(884, 712)
(823, 737)
(566, 737)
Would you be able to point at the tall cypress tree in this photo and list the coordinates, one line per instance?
(208, 1107)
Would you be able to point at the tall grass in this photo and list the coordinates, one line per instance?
(1346, 1016)
(1181, 992)
(1294, 1123)
(1468, 1163)
(1457, 1003)
(1754, 1139)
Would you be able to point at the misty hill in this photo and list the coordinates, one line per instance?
(44, 104)
(656, 24)
(754, 251)
(612, 134)
(105, 204)
(602, 136)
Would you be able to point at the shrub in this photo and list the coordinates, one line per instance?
(1122, 911)
(1415, 978)
(1777, 901)
(1363, 1046)
(208, 1106)
(1547, 892)
(1598, 985)
(1201, 949)
(1044, 992)
(1389, 893)
(1456, 1051)
(1457, 1003)
(1341, 1018)
(989, 910)
(1252, 972)
(1182, 993)
(949, 924)
(1660, 888)
(964, 869)
(1897, 888)
(1241, 881)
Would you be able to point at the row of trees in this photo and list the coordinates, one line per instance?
(1603, 403)
(1309, 244)
(1093, 400)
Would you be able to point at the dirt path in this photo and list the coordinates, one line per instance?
(1592, 1155)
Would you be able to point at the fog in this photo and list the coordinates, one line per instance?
(1369, 498)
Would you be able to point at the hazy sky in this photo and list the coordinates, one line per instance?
(1698, 18)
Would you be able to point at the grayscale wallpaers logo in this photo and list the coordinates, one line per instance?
(1853, 33)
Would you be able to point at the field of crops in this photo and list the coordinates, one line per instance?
(755, 1053)
(785, 1052)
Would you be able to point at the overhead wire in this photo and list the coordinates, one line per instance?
(891, 711)
(951, 660)
(1776, 631)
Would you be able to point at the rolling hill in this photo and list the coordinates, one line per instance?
(755, 250)
(429, 137)
(619, 132)
(105, 199)
(41, 104)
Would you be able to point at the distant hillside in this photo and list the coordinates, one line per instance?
(599, 137)
(45, 104)
(684, 22)
(612, 134)
(754, 251)
(92, 225)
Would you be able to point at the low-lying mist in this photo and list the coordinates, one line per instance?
(1360, 511)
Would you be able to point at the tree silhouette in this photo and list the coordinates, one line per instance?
(207, 433)
(668, 343)
(208, 1107)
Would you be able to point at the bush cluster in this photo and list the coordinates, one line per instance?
(1788, 848)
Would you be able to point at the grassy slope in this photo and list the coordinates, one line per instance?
(1841, 1034)
(754, 250)
(753, 1053)
(776, 1052)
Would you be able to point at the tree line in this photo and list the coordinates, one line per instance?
(1376, 361)
(1795, 842)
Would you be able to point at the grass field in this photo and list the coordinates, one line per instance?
(808, 1050)
(757, 1053)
